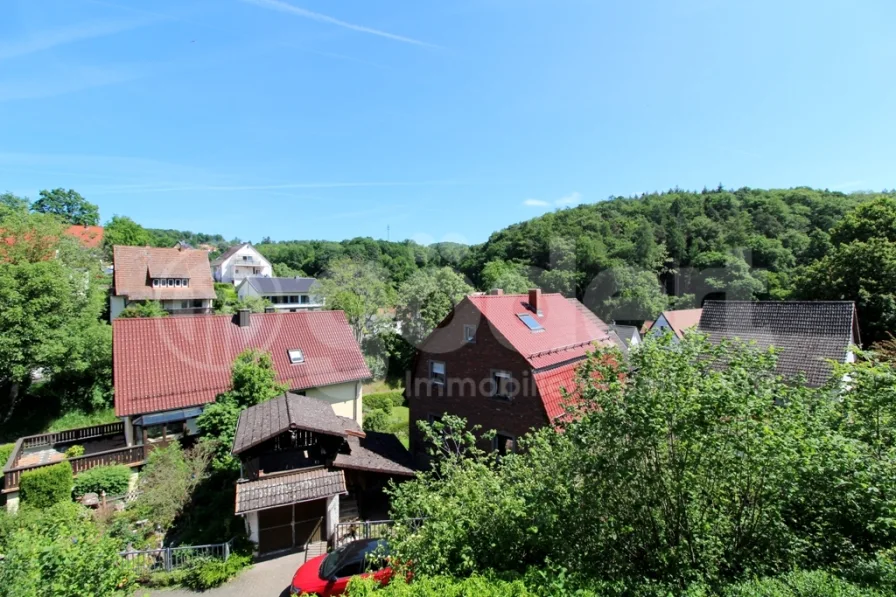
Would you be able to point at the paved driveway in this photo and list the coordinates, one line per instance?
(265, 579)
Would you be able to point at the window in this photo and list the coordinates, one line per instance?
(305, 300)
(185, 304)
(185, 282)
(530, 322)
(296, 356)
(293, 298)
(155, 433)
(177, 283)
(197, 303)
(156, 282)
(504, 444)
(503, 385)
(470, 334)
(437, 372)
(170, 281)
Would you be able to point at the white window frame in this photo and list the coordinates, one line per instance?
(156, 282)
(185, 282)
(170, 282)
(432, 373)
(177, 282)
(496, 386)
(296, 356)
(469, 333)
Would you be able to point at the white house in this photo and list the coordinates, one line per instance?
(285, 294)
(240, 262)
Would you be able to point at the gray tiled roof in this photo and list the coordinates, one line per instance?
(807, 333)
(290, 411)
(278, 285)
(377, 452)
(292, 488)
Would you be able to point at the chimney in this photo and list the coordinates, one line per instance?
(269, 309)
(496, 292)
(535, 300)
(244, 317)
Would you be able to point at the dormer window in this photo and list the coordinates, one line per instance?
(170, 282)
(177, 283)
(156, 282)
(296, 356)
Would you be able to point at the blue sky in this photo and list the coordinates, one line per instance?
(300, 119)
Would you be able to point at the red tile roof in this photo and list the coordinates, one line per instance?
(682, 319)
(570, 329)
(550, 381)
(176, 362)
(135, 266)
(90, 236)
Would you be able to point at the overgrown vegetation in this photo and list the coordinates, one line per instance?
(113, 480)
(43, 487)
(692, 467)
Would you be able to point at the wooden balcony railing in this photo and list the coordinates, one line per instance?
(129, 456)
(71, 436)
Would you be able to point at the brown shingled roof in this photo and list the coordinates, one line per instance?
(374, 451)
(269, 419)
(291, 488)
(136, 266)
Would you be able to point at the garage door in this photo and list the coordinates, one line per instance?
(291, 526)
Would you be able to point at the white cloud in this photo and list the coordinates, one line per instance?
(573, 198)
(46, 40)
(322, 18)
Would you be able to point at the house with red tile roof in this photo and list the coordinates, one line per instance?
(166, 369)
(90, 237)
(179, 279)
(502, 361)
(678, 321)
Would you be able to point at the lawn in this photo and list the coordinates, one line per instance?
(398, 423)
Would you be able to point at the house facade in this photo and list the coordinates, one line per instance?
(240, 262)
(677, 321)
(808, 334)
(178, 279)
(502, 362)
(303, 469)
(166, 369)
(284, 294)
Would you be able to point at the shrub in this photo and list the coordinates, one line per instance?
(5, 451)
(376, 420)
(74, 451)
(800, 584)
(381, 399)
(46, 486)
(114, 480)
(208, 573)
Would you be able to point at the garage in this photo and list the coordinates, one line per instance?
(291, 526)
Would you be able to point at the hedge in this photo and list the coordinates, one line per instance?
(384, 400)
(5, 451)
(114, 480)
(46, 486)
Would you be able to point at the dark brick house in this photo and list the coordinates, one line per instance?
(500, 361)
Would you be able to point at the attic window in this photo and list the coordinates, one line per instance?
(155, 283)
(296, 356)
(530, 322)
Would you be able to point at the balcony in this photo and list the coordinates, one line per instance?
(103, 445)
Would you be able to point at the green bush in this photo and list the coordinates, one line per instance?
(114, 480)
(376, 420)
(5, 451)
(46, 486)
(384, 400)
(442, 586)
(208, 573)
(74, 451)
(801, 584)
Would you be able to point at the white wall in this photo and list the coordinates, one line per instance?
(332, 516)
(245, 290)
(230, 270)
(345, 398)
(252, 526)
(116, 306)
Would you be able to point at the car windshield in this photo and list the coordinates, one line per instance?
(353, 553)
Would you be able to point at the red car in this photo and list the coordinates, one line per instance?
(329, 574)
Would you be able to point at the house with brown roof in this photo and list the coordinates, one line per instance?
(179, 279)
(90, 237)
(240, 262)
(166, 369)
(677, 321)
(809, 335)
(304, 469)
(502, 361)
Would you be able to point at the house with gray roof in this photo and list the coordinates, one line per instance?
(285, 294)
(809, 335)
(303, 469)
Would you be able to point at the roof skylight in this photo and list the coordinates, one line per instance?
(296, 356)
(530, 322)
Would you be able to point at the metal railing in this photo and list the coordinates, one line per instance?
(367, 529)
(172, 558)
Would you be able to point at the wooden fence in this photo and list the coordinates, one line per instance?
(129, 455)
(72, 436)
